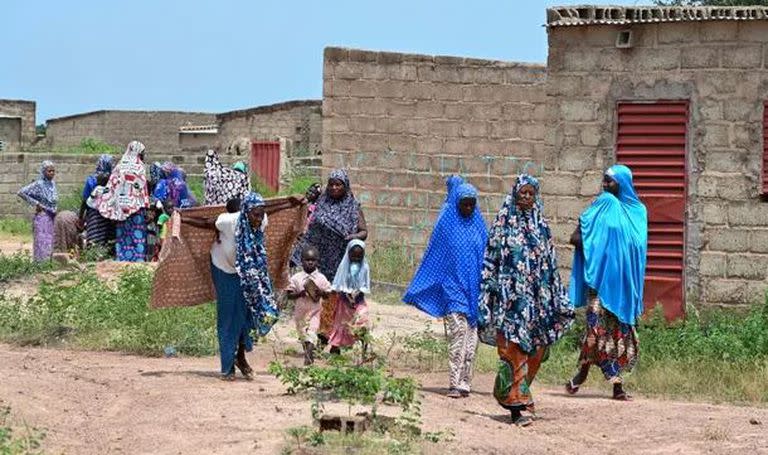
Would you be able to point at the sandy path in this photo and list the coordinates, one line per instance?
(94, 403)
(111, 403)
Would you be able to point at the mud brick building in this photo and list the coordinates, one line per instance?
(677, 93)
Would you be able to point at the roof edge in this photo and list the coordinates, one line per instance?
(563, 16)
(286, 105)
(125, 111)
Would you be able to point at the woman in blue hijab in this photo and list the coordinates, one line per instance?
(608, 273)
(447, 284)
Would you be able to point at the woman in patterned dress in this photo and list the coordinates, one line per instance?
(524, 307)
(608, 272)
(126, 201)
(447, 283)
(337, 219)
(42, 195)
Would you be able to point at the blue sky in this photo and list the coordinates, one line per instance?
(213, 56)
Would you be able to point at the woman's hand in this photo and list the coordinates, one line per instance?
(39, 208)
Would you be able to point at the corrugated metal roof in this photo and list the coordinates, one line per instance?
(564, 16)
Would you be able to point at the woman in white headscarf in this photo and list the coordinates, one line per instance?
(126, 200)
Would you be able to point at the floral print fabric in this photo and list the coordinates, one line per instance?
(251, 266)
(522, 295)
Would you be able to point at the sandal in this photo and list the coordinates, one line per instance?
(454, 393)
(622, 396)
(521, 421)
(571, 388)
(464, 393)
(229, 377)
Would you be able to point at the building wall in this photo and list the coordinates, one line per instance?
(10, 134)
(298, 122)
(26, 111)
(158, 130)
(720, 68)
(401, 123)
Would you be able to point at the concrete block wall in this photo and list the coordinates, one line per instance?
(158, 130)
(720, 67)
(401, 123)
(26, 111)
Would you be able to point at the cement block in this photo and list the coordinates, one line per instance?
(758, 241)
(718, 31)
(402, 72)
(725, 291)
(700, 57)
(747, 266)
(560, 183)
(712, 264)
(431, 109)
(748, 214)
(727, 240)
(678, 33)
(656, 59)
(579, 110)
(742, 56)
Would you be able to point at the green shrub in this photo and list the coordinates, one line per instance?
(21, 264)
(82, 310)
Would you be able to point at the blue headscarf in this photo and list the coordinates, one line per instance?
(173, 187)
(448, 279)
(614, 234)
(251, 266)
(42, 191)
(103, 166)
(521, 295)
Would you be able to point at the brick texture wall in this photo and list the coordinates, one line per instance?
(401, 123)
(720, 68)
(25, 110)
(158, 130)
(298, 122)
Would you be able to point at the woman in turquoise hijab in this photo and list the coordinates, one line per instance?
(608, 273)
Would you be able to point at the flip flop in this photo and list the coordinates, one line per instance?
(571, 388)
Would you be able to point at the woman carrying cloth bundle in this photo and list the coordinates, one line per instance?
(608, 272)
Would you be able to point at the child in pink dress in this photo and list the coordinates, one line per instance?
(308, 287)
(352, 283)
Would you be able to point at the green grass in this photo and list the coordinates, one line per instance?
(87, 146)
(392, 263)
(18, 439)
(21, 264)
(80, 310)
(71, 200)
(21, 227)
(720, 357)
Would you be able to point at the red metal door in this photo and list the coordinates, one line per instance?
(265, 162)
(651, 140)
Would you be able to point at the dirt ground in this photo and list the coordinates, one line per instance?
(97, 402)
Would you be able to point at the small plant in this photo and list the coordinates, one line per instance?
(392, 263)
(21, 264)
(14, 441)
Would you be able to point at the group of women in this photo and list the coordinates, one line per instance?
(499, 286)
(504, 287)
(123, 209)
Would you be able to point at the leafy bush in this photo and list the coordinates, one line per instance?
(82, 310)
(20, 264)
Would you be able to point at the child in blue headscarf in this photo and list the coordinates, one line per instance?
(608, 273)
(447, 284)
